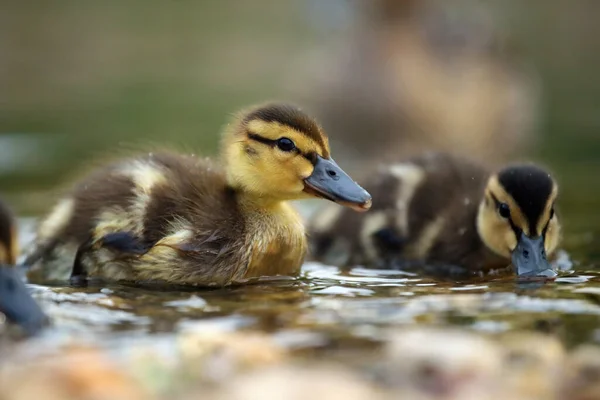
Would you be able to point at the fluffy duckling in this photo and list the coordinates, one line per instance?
(178, 219)
(15, 301)
(448, 216)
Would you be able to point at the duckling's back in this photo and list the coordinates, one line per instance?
(420, 207)
(139, 215)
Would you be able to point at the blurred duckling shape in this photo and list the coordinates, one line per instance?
(15, 301)
(177, 219)
(447, 216)
(422, 75)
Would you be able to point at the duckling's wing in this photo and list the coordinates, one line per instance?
(121, 245)
(197, 259)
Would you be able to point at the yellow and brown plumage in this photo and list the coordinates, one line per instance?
(447, 216)
(176, 218)
(9, 244)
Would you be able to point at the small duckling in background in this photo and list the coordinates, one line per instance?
(177, 219)
(448, 216)
(15, 301)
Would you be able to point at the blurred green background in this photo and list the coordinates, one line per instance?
(83, 78)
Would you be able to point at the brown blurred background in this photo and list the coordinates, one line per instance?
(497, 80)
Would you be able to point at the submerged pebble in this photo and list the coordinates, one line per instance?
(533, 364)
(445, 364)
(582, 380)
(220, 354)
(413, 363)
(298, 383)
(76, 373)
(192, 302)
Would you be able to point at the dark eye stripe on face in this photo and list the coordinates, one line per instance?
(312, 156)
(518, 231)
(496, 201)
(262, 140)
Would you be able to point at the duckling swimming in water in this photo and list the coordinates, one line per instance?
(448, 216)
(15, 301)
(178, 219)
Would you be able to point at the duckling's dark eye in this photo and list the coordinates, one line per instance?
(551, 213)
(286, 144)
(504, 210)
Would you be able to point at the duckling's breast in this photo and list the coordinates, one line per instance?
(277, 243)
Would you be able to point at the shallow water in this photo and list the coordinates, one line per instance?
(174, 340)
(327, 310)
(326, 306)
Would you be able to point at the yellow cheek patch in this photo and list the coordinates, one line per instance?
(304, 167)
(552, 236)
(547, 210)
(495, 232)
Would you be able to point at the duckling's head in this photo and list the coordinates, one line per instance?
(276, 152)
(516, 218)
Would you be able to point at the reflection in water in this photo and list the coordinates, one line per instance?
(325, 301)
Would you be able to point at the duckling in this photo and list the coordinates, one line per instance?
(179, 219)
(447, 216)
(16, 302)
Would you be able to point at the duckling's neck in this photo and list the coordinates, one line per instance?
(271, 214)
(275, 236)
(252, 203)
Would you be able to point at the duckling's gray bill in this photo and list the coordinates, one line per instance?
(329, 181)
(529, 258)
(17, 304)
